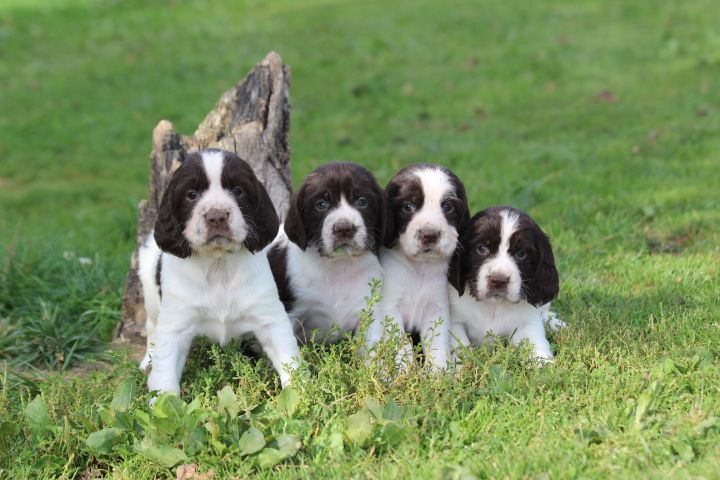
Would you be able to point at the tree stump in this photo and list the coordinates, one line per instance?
(251, 119)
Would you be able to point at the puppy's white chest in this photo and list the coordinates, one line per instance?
(331, 296)
(500, 318)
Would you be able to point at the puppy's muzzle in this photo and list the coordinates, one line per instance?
(344, 231)
(428, 236)
(217, 222)
(498, 283)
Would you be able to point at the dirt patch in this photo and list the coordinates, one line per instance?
(674, 243)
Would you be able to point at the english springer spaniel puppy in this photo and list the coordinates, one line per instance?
(202, 272)
(336, 223)
(430, 210)
(506, 264)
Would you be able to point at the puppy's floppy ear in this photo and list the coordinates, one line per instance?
(464, 218)
(456, 274)
(391, 234)
(544, 285)
(387, 219)
(264, 218)
(385, 222)
(168, 228)
(294, 228)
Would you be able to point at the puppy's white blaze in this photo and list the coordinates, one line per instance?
(436, 186)
(502, 263)
(215, 197)
(344, 213)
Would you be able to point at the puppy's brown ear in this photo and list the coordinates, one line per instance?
(168, 228)
(456, 275)
(294, 228)
(544, 286)
(263, 217)
(385, 223)
(464, 213)
(391, 235)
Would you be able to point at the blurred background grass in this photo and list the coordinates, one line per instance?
(601, 118)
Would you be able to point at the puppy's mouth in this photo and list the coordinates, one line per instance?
(496, 295)
(345, 248)
(219, 240)
(429, 253)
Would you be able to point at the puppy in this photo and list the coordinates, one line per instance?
(506, 263)
(201, 271)
(429, 207)
(337, 221)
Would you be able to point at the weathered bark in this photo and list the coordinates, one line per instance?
(251, 119)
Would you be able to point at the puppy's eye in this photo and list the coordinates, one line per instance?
(321, 205)
(361, 202)
(483, 249)
(192, 195)
(521, 254)
(237, 192)
(447, 207)
(409, 207)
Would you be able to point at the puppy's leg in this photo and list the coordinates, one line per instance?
(550, 319)
(393, 327)
(278, 341)
(435, 335)
(458, 340)
(168, 359)
(150, 327)
(534, 332)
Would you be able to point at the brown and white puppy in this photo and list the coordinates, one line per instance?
(202, 271)
(337, 221)
(430, 210)
(506, 264)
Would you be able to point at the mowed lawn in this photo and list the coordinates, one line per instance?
(600, 118)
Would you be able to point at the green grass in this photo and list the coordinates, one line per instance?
(507, 94)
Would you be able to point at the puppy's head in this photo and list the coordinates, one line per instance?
(430, 209)
(214, 204)
(339, 210)
(503, 254)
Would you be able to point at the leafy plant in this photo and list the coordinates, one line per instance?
(172, 431)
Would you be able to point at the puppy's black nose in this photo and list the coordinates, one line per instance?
(344, 230)
(498, 282)
(429, 236)
(216, 217)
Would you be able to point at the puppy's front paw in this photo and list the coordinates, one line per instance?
(553, 322)
(405, 358)
(145, 363)
(542, 361)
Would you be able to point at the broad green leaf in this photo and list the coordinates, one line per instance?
(38, 418)
(393, 433)
(336, 442)
(288, 401)
(288, 444)
(124, 395)
(270, 457)
(164, 455)
(103, 440)
(123, 420)
(228, 402)
(359, 426)
(168, 405)
(393, 411)
(375, 407)
(143, 419)
(251, 441)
